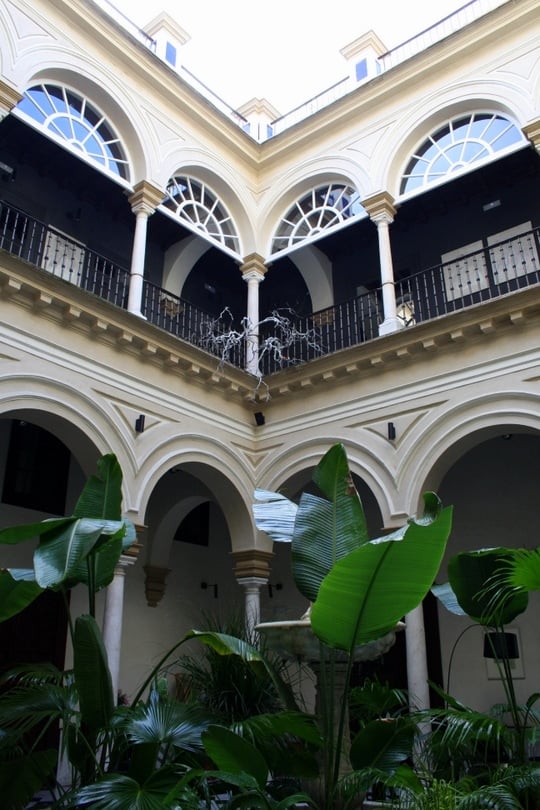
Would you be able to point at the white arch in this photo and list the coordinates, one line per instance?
(364, 461)
(399, 141)
(218, 467)
(432, 447)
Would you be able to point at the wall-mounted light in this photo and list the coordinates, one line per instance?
(278, 587)
(391, 431)
(259, 418)
(493, 204)
(205, 586)
(139, 423)
(7, 172)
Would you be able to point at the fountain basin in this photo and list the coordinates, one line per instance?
(296, 640)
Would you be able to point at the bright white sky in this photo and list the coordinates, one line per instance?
(285, 51)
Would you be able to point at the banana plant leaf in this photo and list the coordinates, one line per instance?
(474, 577)
(322, 529)
(92, 676)
(18, 589)
(58, 557)
(101, 497)
(369, 591)
(383, 744)
(233, 754)
(12, 535)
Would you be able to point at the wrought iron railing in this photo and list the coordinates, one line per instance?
(495, 270)
(286, 339)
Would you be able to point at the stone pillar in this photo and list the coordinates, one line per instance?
(143, 201)
(113, 614)
(417, 669)
(381, 211)
(9, 98)
(252, 571)
(253, 271)
(532, 133)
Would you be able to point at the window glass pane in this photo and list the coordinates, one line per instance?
(73, 119)
(458, 144)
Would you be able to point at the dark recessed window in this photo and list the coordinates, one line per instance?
(195, 527)
(37, 469)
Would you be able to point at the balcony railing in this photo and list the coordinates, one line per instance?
(287, 339)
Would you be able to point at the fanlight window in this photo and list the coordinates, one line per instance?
(458, 144)
(194, 203)
(322, 208)
(76, 121)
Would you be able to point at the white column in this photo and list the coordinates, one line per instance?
(113, 618)
(142, 212)
(253, 279)
(381, 211)
(391, 321)
(252, 587)
(417, 669)
(143, 201)
(253, 271)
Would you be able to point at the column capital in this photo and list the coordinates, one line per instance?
(532, 133)
(9, 98)
(253, 267)
(380, 207)
(145, 197)
(252, 563)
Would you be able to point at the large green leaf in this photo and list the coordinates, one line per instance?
(22, 777)
(19, 534)
(121, 792)
(102, 494)
(59, 555)
(275, 515)
(161, 721)
(233, 754)
(326, 528)
(16, 592)
(371, 589)
(92, 676)
(383, 744)
(472, 575)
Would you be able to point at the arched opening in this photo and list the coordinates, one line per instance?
(493, 486)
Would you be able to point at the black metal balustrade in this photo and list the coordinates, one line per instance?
(482, 275)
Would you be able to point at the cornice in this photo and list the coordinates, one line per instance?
(66, 304)
(48, 297)
(477, 324)
(484, 32)
(170, 87)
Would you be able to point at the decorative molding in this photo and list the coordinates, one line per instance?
(154, 583)
(252, 563)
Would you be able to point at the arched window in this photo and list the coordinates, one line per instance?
(322, 208)
(73, 119)
(194, 203)
(458, 144)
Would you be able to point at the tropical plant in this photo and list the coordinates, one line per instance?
(348, 578)
(153, 753)
(490, 587)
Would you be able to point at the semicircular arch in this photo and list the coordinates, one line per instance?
(430, 451)
(364, 461)
(111, 98)
(432, 113)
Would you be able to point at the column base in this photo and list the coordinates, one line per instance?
(390, 325)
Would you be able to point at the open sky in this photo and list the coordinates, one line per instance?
(285, 51)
